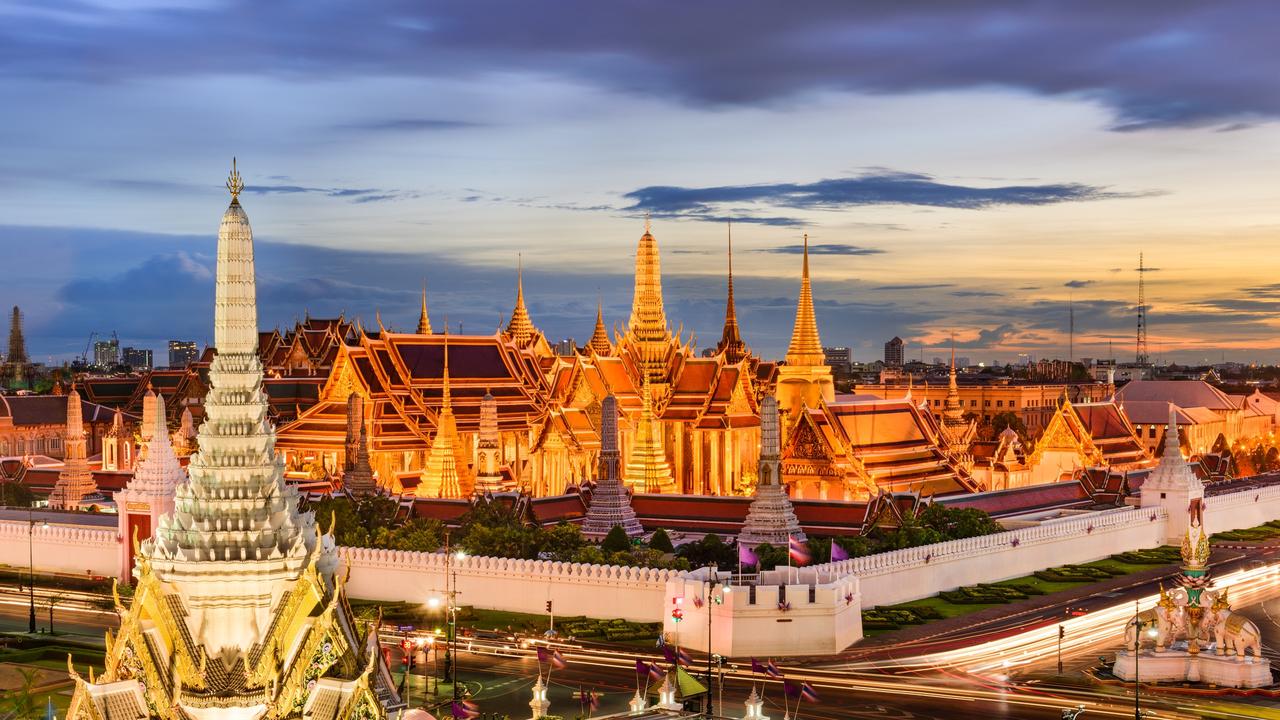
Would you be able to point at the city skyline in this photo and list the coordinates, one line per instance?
(979, 193)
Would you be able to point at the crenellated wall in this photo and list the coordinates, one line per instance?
(914, 573)
(54, 548)
(604, 591)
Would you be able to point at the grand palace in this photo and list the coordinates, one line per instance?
(427, 415)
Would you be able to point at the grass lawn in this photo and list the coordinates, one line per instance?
(893, 617)
(1268, 531)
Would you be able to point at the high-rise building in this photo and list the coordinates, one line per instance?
(181, 353)
(893, 352)
(838, 358)
(14, 369)
(106, 353)
(136, 358)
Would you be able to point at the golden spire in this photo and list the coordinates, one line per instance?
(599, 342)
(953, 410)
(439, 477)
(234, 183)
(647, 333)
(521, 328)
(647, 469)
(731, 344)
(424, 320)
(806, 345)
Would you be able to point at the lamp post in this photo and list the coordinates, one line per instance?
(711, 600)
(1137, 678)
(31, 566)
(453, 629)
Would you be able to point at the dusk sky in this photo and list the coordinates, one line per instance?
(966, 166)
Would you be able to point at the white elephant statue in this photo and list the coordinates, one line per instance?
(1234, 633)
(1167, 617)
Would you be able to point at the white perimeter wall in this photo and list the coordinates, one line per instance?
(1239, 510)
(600, 591)
(914, 573)
(61, 548)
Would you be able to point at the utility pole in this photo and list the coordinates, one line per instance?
(31, 564)
(1137, 677)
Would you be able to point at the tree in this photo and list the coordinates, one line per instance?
(1008, 419)
(710, 549)
(956, 523)
(616, 540)
(561, 542)
(661, 542)
(15, 494)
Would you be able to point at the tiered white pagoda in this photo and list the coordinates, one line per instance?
(610, 503)
(770, 518)
(238, 613)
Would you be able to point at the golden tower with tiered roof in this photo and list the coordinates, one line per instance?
(805, 379)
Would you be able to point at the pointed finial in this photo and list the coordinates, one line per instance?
(424, 320)
(446, 398)
(646, 222)
(234, 183)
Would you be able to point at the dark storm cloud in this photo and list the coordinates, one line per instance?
(1175, 63)
(975, 294)
(880, 187)
(1078, 283)
(823, 249)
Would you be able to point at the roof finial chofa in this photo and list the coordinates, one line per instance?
(234, 183)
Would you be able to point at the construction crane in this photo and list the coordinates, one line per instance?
(84, 356)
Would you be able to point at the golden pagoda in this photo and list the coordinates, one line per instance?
(957, 433)
(424, 320)
(238, 611)
(599, 342)
(648, 336)
(647, 468)
(805, 379)
(520, 328)
(440, 475)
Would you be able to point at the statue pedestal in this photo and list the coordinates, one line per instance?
(1181, 666)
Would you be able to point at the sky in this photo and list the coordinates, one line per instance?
(970, 168)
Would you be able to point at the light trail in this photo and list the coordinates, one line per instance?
(1087, 633)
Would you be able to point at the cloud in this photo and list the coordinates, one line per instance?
(975, 294)
(823, 249)
(882, 187)
(990, 338)
(913, 287)
(1190, 64)
(410, 125)
(1078, 283)
(355, 195)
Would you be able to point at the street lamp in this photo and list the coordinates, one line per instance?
(453, 624)
(31, 567)
(712, 600)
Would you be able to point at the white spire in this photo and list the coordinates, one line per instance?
(236, 536)
(159, 472)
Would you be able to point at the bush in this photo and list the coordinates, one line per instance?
(661, 542)
(616, 541)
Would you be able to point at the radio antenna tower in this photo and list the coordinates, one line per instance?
(1142, 357)
(1071, 331)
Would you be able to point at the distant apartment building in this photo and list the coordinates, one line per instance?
(106, 353)
(893, 352)
(137, 358)
(181, 353)
(983, 397)
(838, 358)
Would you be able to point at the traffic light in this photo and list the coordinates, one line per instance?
(548, 606)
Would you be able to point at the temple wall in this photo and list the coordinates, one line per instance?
(600, 591)
(60, 548)
(920, 572)
(1243, 509)
(750, 624)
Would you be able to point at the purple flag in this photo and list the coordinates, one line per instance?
(838, 553)
(464, 710)
(747, 556)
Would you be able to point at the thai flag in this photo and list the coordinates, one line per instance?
(773, 670)
(798, 550)
(465, 710)
(589, 699)
(765, 668)
(655, 672)
(747, 556)
(677, 656)
(557, 660)
(808, 693)
(838, 553)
